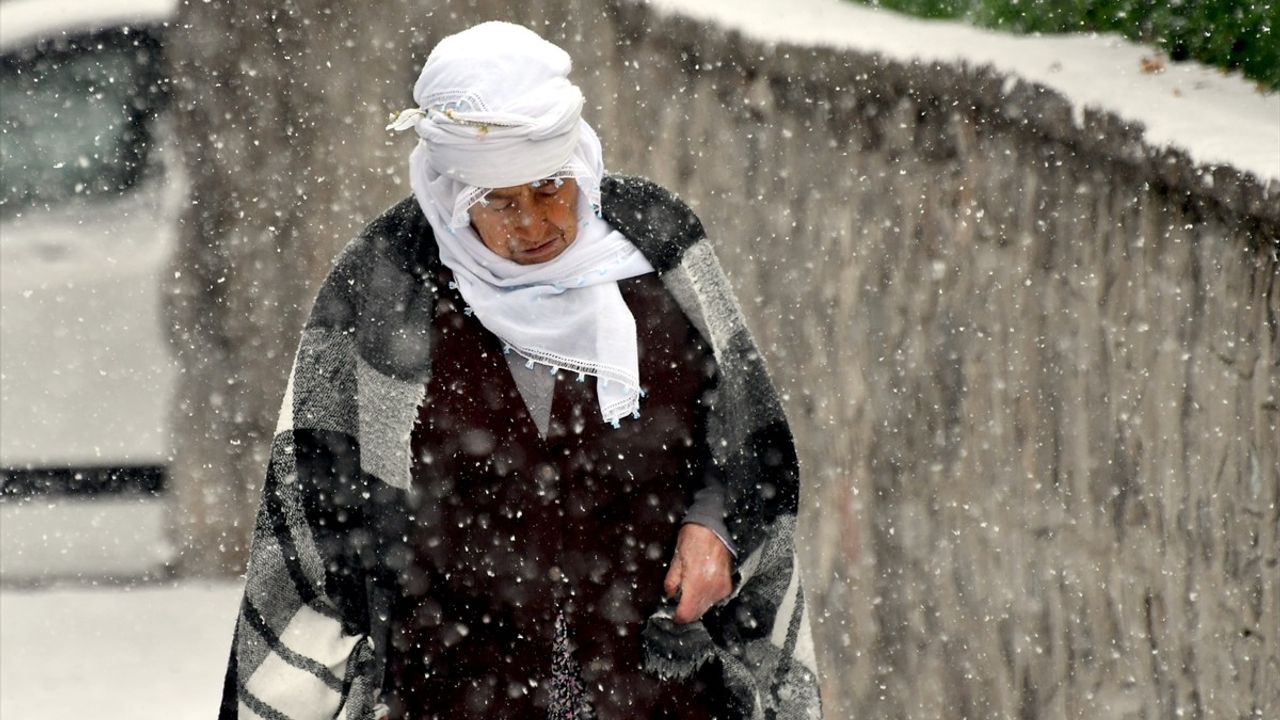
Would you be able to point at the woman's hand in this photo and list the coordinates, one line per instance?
(699, 571)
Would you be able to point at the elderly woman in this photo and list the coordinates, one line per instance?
(529, 462)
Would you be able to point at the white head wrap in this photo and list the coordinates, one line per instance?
(496, 109)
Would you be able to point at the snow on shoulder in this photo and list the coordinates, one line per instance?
(1214, 117)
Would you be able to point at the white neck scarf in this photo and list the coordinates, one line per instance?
(496, 109)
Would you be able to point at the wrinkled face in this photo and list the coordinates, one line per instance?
(528, 224)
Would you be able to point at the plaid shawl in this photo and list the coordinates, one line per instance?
(327, 551)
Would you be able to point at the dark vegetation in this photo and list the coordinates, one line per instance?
(1231, 34)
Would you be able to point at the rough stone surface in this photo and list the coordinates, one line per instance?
(1033, 368)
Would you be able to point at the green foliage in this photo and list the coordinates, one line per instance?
(1235, 34)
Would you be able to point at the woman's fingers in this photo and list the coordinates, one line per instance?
(701, 571)
(674, 573)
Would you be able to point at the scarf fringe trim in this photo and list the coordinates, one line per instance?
(572, 170)
(613, 412)
(675, 652)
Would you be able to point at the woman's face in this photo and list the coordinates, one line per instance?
(528, 224)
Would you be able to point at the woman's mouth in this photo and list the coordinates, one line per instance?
(540, 250)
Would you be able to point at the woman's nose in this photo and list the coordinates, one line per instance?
(531, 225)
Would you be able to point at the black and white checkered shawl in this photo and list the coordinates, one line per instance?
(327, 551)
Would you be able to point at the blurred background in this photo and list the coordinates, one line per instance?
(1013, 265)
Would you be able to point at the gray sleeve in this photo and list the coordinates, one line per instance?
(707, 508)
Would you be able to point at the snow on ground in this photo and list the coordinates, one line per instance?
(1215, 118)
(110, 653)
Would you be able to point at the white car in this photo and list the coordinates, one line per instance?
(87, 203)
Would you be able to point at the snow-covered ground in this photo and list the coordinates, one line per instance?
(1216, 118)
(110, 653)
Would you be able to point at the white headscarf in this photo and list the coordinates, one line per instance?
(496, 109)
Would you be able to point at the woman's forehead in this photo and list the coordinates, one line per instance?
(517, 189)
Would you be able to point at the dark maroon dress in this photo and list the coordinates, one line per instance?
(514, 530)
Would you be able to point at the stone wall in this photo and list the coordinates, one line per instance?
(1033, 368)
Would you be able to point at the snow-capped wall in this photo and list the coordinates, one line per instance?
(1030, 350)
(1215, 118)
